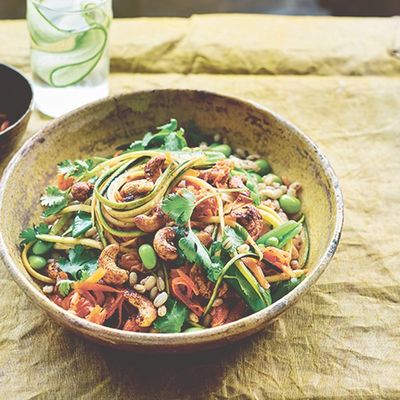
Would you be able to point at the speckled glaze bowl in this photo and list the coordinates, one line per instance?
(16, 101)
(100, 127)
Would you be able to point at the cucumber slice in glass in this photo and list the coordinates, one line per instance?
(83, 41)
(61, 72)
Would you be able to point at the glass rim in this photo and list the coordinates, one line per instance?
(39, 4)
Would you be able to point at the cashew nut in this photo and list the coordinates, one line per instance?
(151, 223)
(107, 260)
(134, 188)
(147, 313)
(163, 244)
(153, 167)
(132, 326)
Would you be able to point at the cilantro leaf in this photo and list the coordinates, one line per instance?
(234, 237)
(173, 320)
(29, 235)
(80, 262)
(81, 224)
(195, 252)
(147, 139)
(54, 199)
(169, 138)
(179, 207)
(55, 209)
(77, 168)
(52, 196)
(175, 141)
(169, 127)
(137, 145)
(214, 271)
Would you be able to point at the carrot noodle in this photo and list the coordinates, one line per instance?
(186, 282)
(96, 276)
(83, 285)
(279, 258)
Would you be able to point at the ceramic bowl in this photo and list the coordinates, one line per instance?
(102, 126)
(16, 101)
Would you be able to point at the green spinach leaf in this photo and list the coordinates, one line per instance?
(81, 224)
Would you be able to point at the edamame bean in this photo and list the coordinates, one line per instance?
(41, 247)
(290, 204)
(194, 329)
(224, 149)
(271, 178)
(272, 241)
(263, 167)
(37, 262)
(148, 256)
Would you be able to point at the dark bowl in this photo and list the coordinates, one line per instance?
(16, 101)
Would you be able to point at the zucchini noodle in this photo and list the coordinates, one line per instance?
(70, 241)
(75, 208)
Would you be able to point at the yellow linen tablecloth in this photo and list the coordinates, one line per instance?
(338, 80)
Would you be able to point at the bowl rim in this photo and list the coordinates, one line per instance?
(31, 103)
(160, 340)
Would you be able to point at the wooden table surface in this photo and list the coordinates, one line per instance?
(338, 80)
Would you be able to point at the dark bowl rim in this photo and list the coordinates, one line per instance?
(31, 103)
(229, 331)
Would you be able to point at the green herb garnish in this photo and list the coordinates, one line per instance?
(179, 207)
(78, 168)
(54, 199)
(29, 235)
(80, 263)
(168, 138)
(173, 321)
(195, 252)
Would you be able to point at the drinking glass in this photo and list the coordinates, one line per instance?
(69, 52)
